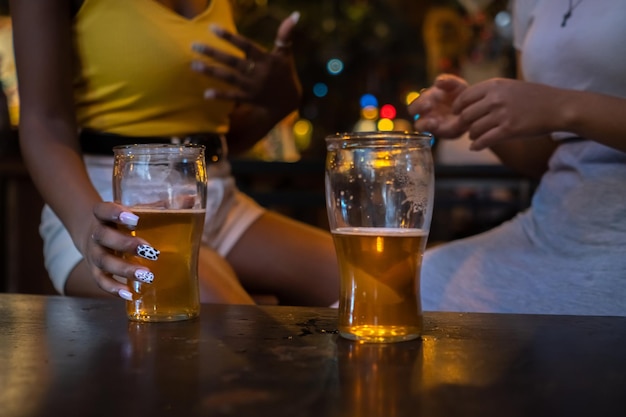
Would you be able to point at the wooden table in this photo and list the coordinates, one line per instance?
(82, 357)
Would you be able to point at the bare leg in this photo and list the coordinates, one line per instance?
(80, 283)
(295, 261)
(218, 281)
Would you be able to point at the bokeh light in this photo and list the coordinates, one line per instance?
(368, 100)
(302, 132)
(363, 125)
(387, 111)
(412, 95)
(320, 90)
(369, 112)
(334, 66)
(503, 19)
(385, 125)
(402, 125)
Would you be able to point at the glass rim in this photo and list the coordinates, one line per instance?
(379, 140)
(150, 148)
(374, 136)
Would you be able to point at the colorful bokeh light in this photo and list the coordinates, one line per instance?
(368, 100)
(369, 112)
(412, 95)
(302, 132)
(334, 66)
(320, 90)
(387, 111)
(385, 125)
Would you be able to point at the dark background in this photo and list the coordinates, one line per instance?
(380, 42)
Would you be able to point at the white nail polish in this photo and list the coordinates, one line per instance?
(295, 16)
(129, 219)
(197, 65)
(216, 29)
(210, 93)
(126, 295)
(144, 276)
(148, 252)
(196, 46)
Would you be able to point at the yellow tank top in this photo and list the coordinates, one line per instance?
(134, 68)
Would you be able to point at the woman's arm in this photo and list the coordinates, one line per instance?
(499, 109)
(48, 133)
(49, 143)
(527, 110)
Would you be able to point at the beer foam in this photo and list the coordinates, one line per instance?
(379, 231)
(416, 190)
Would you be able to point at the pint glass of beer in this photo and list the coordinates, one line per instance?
(165, 185)
(379, 197)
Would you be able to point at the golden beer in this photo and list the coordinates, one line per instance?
(174, 293)
(380, 279)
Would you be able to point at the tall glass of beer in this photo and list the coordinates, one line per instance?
(379, 197)
(165, 185)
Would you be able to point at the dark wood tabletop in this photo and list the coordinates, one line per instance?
(62, 356)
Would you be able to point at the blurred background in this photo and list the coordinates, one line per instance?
(362, 61)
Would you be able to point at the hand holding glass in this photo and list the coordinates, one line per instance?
(165, 185)
(379, 196)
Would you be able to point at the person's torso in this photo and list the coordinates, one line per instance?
(134, 68)
(587, 53)
(581, 200)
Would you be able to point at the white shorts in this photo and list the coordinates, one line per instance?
(229, 214)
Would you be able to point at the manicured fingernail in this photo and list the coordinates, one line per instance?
(144, 275)
(210, 93)
(128, 218)
(416, 117)
(197, 46)
(126, 295)
(216, 29)
(148, 252)
(197, 66)
(295, 16)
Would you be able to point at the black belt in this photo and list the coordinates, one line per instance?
(100, 143)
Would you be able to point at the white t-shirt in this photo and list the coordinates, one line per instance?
(588, 53)
(566, 254)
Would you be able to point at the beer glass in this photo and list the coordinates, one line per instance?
(165, 185)
(379, 197)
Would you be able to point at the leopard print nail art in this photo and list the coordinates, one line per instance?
(148, 252)
(144, 276)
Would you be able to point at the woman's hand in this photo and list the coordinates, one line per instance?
(267, 79)
(105, 242)
(433, 109)
(500, 109)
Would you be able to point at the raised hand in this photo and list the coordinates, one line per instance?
(433, 109)
(499, 109)
(261, 78)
